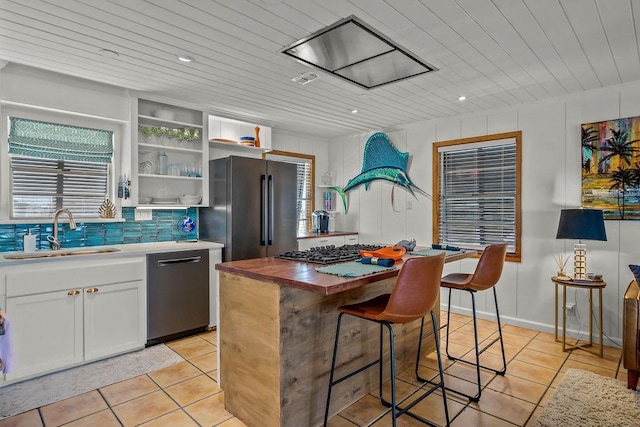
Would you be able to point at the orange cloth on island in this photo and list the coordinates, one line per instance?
(390, 252)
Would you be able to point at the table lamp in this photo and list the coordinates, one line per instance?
(581, 224)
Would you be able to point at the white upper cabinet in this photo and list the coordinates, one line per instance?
(169, 155)
(232, 137)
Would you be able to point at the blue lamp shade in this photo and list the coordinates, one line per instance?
(581, 224)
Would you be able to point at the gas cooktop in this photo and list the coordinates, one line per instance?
(329, 254)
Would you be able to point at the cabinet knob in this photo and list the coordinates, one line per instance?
(92, 290)
(73, 292)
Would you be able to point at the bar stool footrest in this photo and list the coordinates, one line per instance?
(496, 371)
(406, 410)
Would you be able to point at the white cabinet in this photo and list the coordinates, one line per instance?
(169, 154)
(215, 257)
(3, 306)
(225, 138)
(47, 332)
(114, 319)
(61, 318)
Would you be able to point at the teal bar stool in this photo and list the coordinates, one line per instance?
(413, 296)
(485, 276)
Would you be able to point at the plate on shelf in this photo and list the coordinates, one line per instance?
(164, 201)
(224, 141)
(144, 200)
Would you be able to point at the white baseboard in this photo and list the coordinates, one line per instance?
(542, 327)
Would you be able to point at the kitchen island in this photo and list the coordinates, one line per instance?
(276, 331)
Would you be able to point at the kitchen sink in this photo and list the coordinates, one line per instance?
(55, 254)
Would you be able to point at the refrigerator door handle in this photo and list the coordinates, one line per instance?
(271, 199)
(264, 219)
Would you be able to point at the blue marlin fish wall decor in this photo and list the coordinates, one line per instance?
(382, 160)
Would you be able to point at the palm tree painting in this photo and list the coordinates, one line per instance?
(611, 167)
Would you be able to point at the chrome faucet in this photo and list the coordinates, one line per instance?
(55, 243)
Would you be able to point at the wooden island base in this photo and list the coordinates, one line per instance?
(276, 344)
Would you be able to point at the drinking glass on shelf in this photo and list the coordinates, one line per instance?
(162, 163)
(145, 165)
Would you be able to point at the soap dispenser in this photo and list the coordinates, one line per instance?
(29, 242)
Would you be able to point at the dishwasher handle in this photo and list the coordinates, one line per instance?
(166, 262)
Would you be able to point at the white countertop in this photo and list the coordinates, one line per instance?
(122, 251)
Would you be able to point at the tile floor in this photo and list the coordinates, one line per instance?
(186, 394)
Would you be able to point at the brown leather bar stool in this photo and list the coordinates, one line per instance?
(414, 294)
(485, 276)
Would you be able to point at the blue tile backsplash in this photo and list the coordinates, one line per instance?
(163, 227)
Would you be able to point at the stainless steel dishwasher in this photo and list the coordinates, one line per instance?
(177, 294)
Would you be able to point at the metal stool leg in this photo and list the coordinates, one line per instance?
(504, 358)
(479, 351)
(333, 382)
(446, 348)
(333, 367)
(396, 411)
(441, 385)
(392, 362)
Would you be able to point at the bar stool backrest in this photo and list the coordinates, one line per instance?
(415, 291)
(489, 268)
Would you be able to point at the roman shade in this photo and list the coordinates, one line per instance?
(58, 141)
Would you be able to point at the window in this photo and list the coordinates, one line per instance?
(56, 166)
(305, 184)
(477, 192)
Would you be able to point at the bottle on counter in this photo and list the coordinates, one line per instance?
(29, 242)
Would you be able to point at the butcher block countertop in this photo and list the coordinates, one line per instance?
(303, 275)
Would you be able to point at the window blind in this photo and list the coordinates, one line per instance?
(41, 186)
(477, 195)
(58, 141)
(305, 196)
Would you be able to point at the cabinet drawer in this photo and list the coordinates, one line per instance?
(306, 244)
(72, 275)
(351, 239)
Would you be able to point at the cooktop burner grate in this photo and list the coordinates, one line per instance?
(329, 254)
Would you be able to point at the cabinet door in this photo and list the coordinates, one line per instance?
(215, 256)
(47, 332)
(115, 319)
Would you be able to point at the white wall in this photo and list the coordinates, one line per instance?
(58, 92)
(551, 181)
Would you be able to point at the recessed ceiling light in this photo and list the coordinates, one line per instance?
(109, 53)
(354, 111)
(462, 98)
(185, 58)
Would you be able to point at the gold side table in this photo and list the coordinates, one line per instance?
(591, 285)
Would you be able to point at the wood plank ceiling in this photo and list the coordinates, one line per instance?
(495, 52)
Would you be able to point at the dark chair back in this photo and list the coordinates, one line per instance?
(489, 268)
(415, 291)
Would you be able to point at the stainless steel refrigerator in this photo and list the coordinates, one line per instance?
(252, 207)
